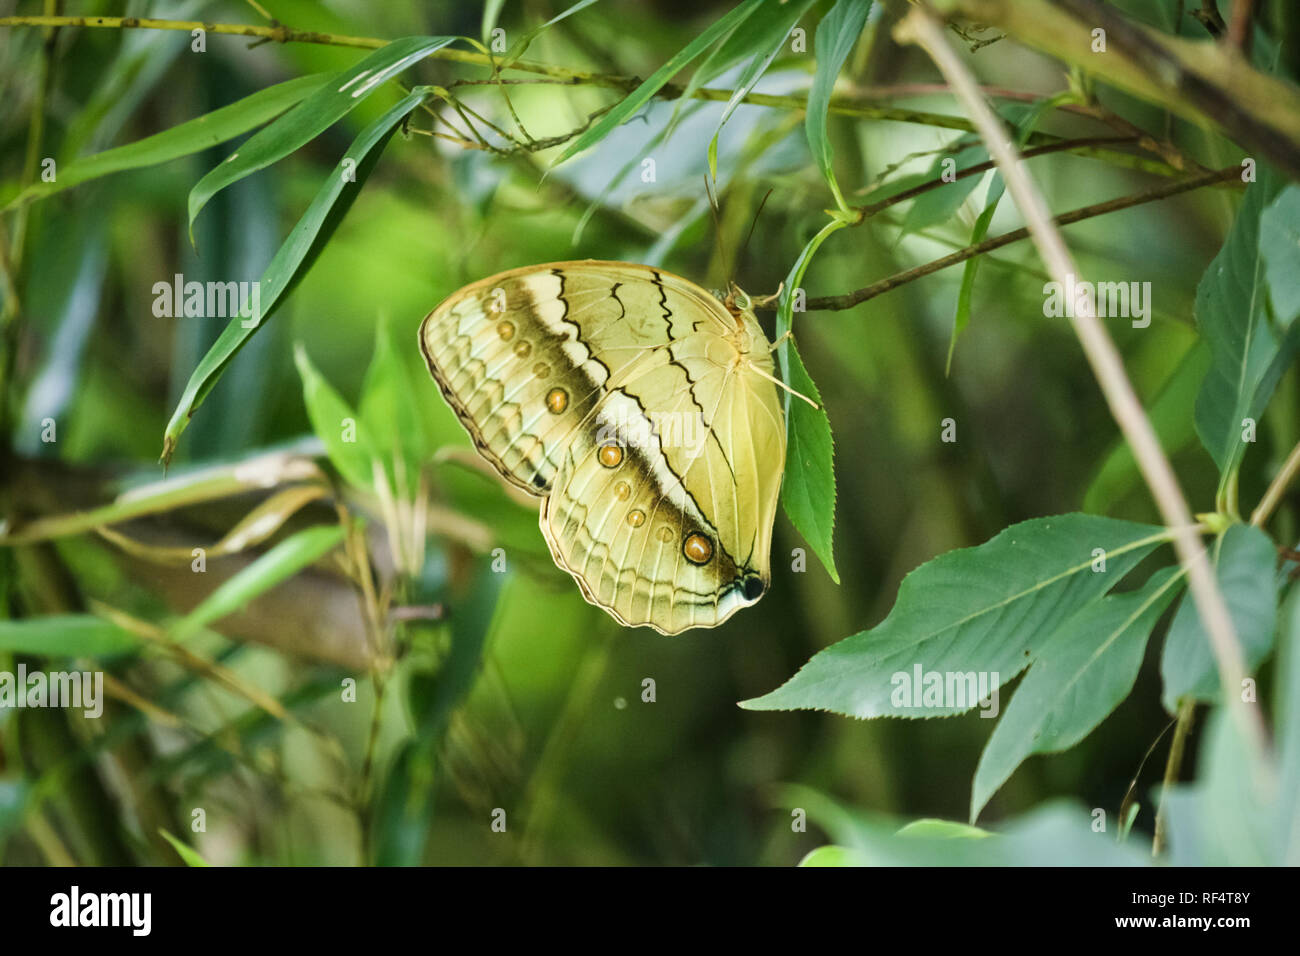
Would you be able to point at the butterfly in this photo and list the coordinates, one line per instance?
(643, 411)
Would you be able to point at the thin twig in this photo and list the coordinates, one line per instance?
(925, 28)
(1186, 711)
(849, 299)
(839, 105)
(1276, 489)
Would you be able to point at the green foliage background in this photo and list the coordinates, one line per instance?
(526, 699)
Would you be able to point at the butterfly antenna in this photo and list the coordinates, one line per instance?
(717, 218)
(781, 384)
(752, 226)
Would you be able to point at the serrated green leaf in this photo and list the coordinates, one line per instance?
(987, 609)
(313, 116)
(347, 442)
(643, 93)
(66, 635)
(836, 35)
(187, 138)
(1249, 349)
(1082, 673)
(1279, 240)
(292, 259)
(808, 489)
(282, 562)
(1244, 560)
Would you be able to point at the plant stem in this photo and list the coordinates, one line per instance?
(1277, 488)
(1186, 710)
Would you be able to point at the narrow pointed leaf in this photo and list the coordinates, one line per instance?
(347, 442)
(646, 91)
(836, 36)
(313, 115)
(776, 24)
(292, 260)
(185, 139)
(65, 635)
(279, 564)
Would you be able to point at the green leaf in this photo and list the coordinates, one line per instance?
(988, 609)
(282, 562)
(189, 137)
(643, 93)
(291, 260)
(943, 830)
(1046, 836)
(808, 489)
(1174, 427)
(837, 33)
(392, 423)
(67, 635)
(940, 205)
(520, 46)
(1279, 240)
(1229, 817)
(1027, 120)
(832, 856)
(1287, 722)
(1244, 560)
(313, 116)
(1250, 351)
(763, 36)
(187, 853)
(1082, 673)
(347, 441)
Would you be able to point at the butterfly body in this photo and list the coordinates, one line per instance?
(641, 409)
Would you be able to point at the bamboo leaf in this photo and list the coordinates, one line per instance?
(313, 116)
(282, 562)
(836, 36)
(292, 260)
(185, 139)
(646, 91)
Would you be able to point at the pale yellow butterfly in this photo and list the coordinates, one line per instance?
(643, 411)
